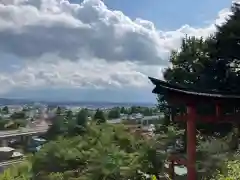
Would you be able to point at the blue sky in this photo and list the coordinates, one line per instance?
(170, 15)
(88, 51)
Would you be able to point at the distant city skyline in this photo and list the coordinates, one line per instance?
(90, 50)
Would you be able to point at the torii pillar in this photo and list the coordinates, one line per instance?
(191, 142)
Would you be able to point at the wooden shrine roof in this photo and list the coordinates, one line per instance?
(162, 87)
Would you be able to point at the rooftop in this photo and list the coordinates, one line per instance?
(162, 87)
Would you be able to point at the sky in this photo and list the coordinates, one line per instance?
(93, 50)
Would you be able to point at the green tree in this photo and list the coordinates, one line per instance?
(59, 127)
(78, 127)
(25, 109)
(3, 124)
(189, 65)
(82, 117)
(20, 122)
(68, 127)
(69, 114)
(134, 109)
(99, 116)
(104, 152)
(211, 64)
(226, 52)
(114, 113)
(18, 115)
(22, 171)
(229, 171)
(58, 111)
(5, 110)
(123, 110)
(147, 111)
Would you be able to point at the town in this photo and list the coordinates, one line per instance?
(22, 128)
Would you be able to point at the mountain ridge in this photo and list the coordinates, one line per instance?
(19, 101)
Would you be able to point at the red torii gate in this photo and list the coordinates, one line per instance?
(180, 95)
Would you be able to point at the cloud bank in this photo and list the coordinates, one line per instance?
(84, 45)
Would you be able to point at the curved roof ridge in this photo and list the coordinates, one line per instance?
(163, 86)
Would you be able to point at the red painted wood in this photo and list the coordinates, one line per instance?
(218, 111)
(191, 143)
(211, 118)
(171, 170)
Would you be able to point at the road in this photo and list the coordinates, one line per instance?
(145, 118)
(23, 131)
(42, 129)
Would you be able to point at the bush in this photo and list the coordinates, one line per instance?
(103, 152)
(230, 171)
(20, 171)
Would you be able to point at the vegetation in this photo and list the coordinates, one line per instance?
(99, 116)
(5, 110)
(230, 171)
(102, 151)
(208, 64)
(114, 113)
(22, 171)
(211, 63)
(18, 115)
(79, 148)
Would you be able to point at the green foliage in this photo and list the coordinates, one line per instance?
(12, 124)
(206, 64)
(167, 135)
(123, 110)
(143, 110)
(18, 115)
(227, 37)
(226, 54)
(189, 63)
(58, 111)
(20, 122)
(211, 63)
(114, 113)
(20, 171)
(104, 152)
(147, 111)
(58, 127)
(69, 114)
(229, 171)
(99, 116)
(68, 126)
(82, 117)
(3, 124)
(79, 127)
(5, 110)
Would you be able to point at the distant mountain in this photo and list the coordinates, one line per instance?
(99, 104)
(8, 101)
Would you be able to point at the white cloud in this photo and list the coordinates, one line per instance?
(84, 45)
(94, 73)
